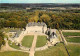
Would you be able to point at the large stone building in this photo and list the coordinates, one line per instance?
(34, 27)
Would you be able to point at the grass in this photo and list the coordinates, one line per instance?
(27, 40)
(74, 50)
(58, 50)
(9, 29)
(58, 35)
(71, 33)
(13, 45)
(11, 53)
(41, 41)
(74, 39)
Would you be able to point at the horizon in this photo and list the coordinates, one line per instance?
(41, 1)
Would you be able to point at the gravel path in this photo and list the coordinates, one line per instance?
(32, 50)
(74, 36)
(73, 43)
(71, 30)
(8, 48)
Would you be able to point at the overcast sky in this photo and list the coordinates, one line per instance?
(39, 1)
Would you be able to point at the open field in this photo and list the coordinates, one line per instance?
(41, 41)
(75, 39)
(10, 29)
(72, 38)
(58, 50)
(11, 53)
(27, 40)
(71, 33)
(73, 49)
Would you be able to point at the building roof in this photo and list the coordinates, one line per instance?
(36, 24)
(53, 35)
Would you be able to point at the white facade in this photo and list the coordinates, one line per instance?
(36, 29)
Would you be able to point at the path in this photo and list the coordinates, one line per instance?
(70, 30)
(63, 39)
(8, 48)
(74, 36)
(32, 50)
(73, 43)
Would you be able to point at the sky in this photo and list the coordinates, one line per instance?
(39, 1)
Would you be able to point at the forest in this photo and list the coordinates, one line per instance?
(58, 20)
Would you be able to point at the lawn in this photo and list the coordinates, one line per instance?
(71, 33)
(73, 39)
(11, 53)
(41, 41)
(58, 50)
(10, 29)
(13, 45)
(74, 50)
(27, 40)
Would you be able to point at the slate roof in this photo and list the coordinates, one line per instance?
(17, 33)
(52, 35)
(36, 24)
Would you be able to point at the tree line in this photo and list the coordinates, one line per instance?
(58, 20)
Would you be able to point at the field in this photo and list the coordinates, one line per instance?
(70, 36)
(27, 40)
(74, 50)
(71, 33)
(10, 29)
(73, 39)
(41, 41)
(11, 53)
(58, 50)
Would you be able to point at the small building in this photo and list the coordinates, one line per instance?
(52, 37)
(34, 27)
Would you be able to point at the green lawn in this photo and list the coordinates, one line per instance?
(74, 50)
(71, 33)
(11, 53)
(74, 39)
(13, 45)
(41, 41)
(27, 40)
(10, 29)
(58, 50)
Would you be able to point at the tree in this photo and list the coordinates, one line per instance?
(33, 18)
(2, 22)
(57, 26)
(45, 18)
(2, 42)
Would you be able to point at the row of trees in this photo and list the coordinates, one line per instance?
(2, 42)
